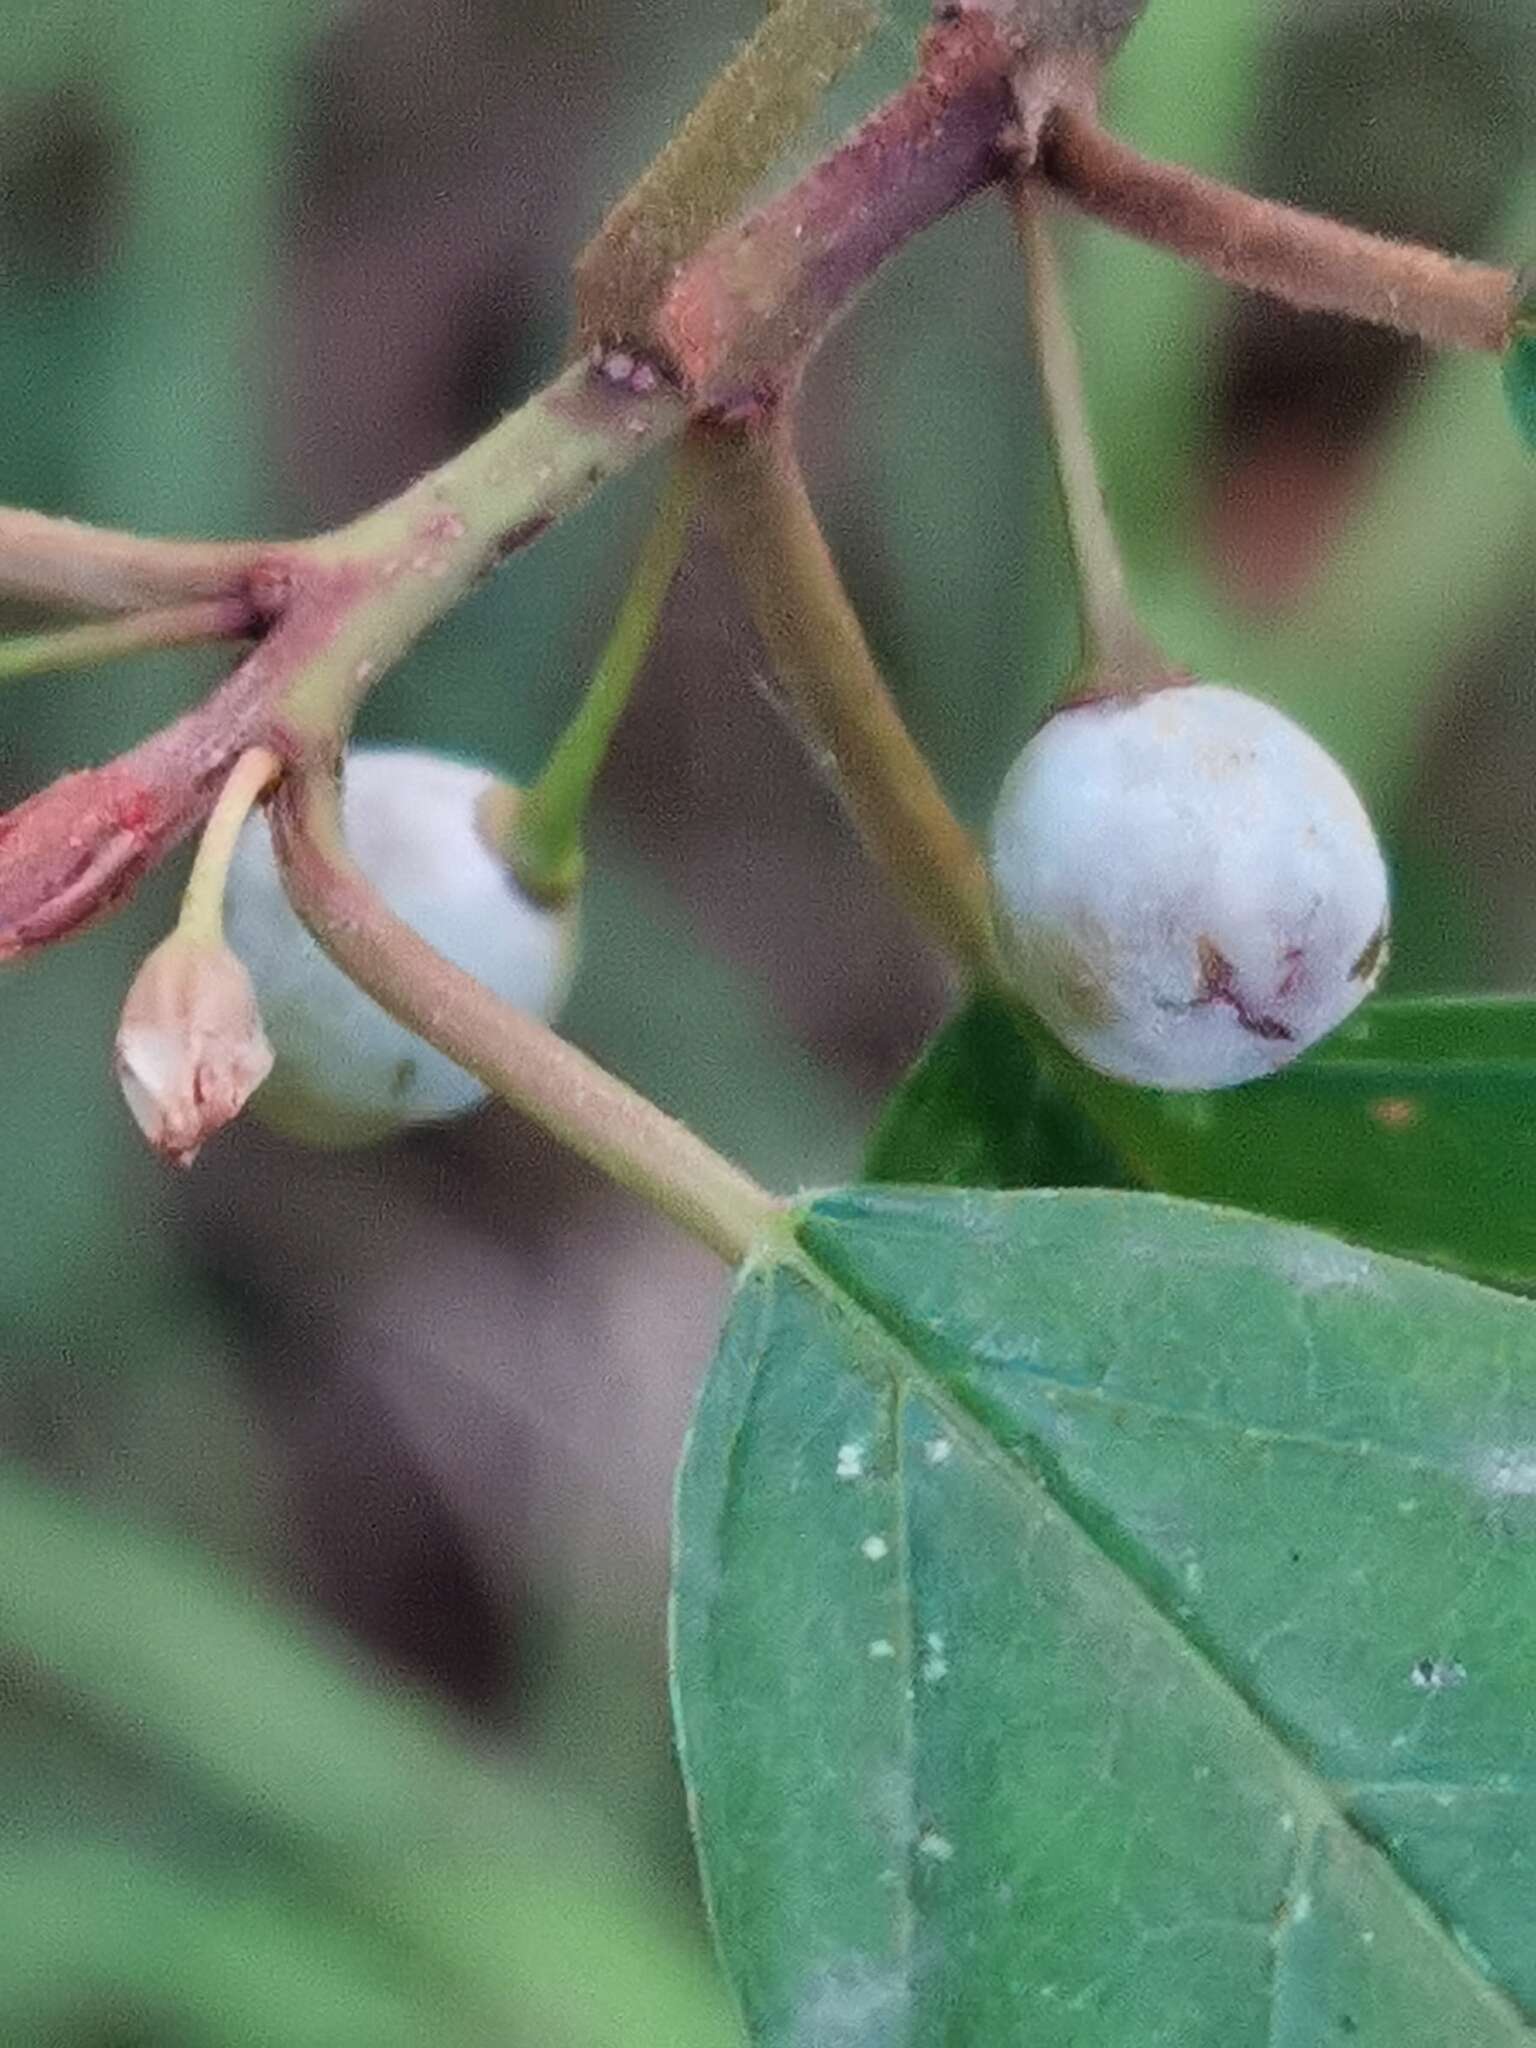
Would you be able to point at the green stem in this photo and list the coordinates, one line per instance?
(543, 834)
(1116, 647)
(516, 1056)
(202, 901)
(764, 513)
(384, 579)
(184, 625)
(759, 501)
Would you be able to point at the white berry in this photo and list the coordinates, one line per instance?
(1189, 891)
(345, 1072)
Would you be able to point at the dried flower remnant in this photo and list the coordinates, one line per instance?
(190, 1049)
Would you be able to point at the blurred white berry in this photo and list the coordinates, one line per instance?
(1189, 891)
(345, 1071)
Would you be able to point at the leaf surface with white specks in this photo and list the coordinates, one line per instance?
(1105, 1618)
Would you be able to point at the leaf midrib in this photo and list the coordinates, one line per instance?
(1316, 1798)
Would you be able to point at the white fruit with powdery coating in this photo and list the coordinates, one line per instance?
(1189, 890)
(345, 1071)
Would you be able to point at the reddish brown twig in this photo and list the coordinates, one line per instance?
(734, 331)
(746, 312)
(76, 851)
(737, 326)
(1315, 264)
(338, 611)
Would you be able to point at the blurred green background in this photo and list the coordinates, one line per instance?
(333, 1515)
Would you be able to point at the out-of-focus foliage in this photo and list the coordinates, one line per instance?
(1520, 376)
(282, 1855)
(258, 263)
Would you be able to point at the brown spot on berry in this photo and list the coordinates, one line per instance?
(1370, 963)
(1295, 960)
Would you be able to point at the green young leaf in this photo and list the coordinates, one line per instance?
(1105, 1619)
(1520, 370)
(1413, 1130)
(977, 1112)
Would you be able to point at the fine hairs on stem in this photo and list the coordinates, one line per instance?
(1310, 262)
(1116, 647)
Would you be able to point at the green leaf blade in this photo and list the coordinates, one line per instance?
(1151, 1762)
(1412, 1130)
(1520, 372)
(729, 1654)
(977, 1111)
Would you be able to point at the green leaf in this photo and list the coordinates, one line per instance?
(1105, 1619)
(977, 1112)
(1520, 371)
(1413, 1130)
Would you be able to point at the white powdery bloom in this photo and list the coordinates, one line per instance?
(346, 1072)
(1189, 890)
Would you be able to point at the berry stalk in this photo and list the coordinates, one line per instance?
(1312, 263)
(202, 901)
(1117, 652)
(185, 625)
(764, 514)
(539, 832)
